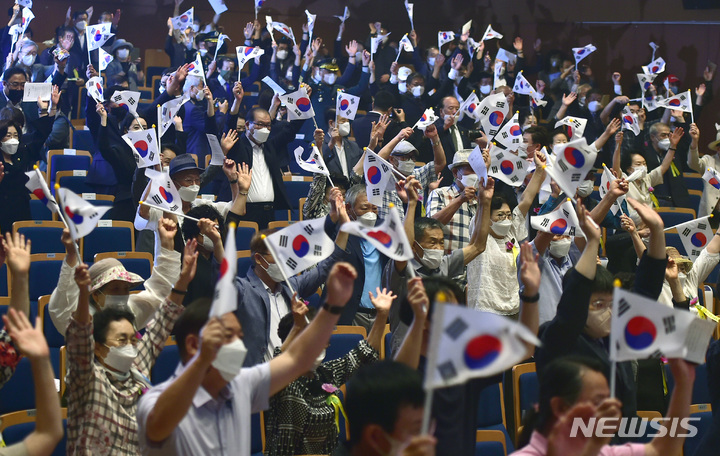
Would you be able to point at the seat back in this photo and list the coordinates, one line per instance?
(38, 209)
(341, 344)
(66, 160)
(17, 394)
(18, 425)
(301, 205)
(703, 425)
(166, 363)
(4, 280)
(44, 273)
(244, 233)
(45, 235)
(525, 388)
(109, 236)
(257, 434)
(75, 180)
(347, 329)
(675, 215)
(490, 443)
(141, 263)
(244, 261)
(53, 337)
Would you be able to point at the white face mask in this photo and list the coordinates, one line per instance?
(200, 95)
(273, 270)
(123, 53)
(502, 227)
(431, 61)
(485, 89)
(664, 144)
(470, 180)
(598, 323)
(330, 79)
(344, 128)
(10, 146)
(28, 60)
(594, 106)
(319, 360)
(522, 150)
(368, 219)
(81, 25)
(282, 54)
(402, 86)
(188, 194)
(560, 248)
(196, 28)
(261, 135)
(417, 91)
(115, 301)
(406, 166)
(202, 52)
(121, 358)
(208, 243)
(585, 188)
(431, 257)
(229, 359)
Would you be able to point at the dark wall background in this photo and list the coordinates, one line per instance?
(621, 30)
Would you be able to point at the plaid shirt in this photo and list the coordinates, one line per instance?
(299, 420)
(459, 224)
(425, 175)
(101, 408)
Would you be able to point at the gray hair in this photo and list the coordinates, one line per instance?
(191, 81)
(352, 193)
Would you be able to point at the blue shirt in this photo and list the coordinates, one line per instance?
(373, 273)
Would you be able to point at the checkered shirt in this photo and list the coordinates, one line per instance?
(425, 175)
(101, 408)
(459, 224)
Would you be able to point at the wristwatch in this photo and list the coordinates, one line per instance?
(335, 310)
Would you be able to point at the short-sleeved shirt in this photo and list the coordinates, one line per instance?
(538, 447)
(211, 426)
(459, 224)
(373, 272)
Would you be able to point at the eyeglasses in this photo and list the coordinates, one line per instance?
(504, 216)
(262, 125)
(123, 341)
(600, 304)
(191, 181)
(16, 85)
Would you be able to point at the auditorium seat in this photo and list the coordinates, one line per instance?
(18, 425)
(66, 160)
(45, 235)
(44, 273)
(39, 210)
(141, 263)
(525, 387)
(166, 363)
(672, 216)
(73, 180)
(490, 443)
(341, 344)
(491, 413)
(109, 236)
(244, 233)
(244, 261)
(17, 394)
(704, 425)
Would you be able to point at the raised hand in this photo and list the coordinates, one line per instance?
(351, 48)
(627, 224)
(339, 284)
(189, 264)
(529, 269)
(17, 253)
(228, 140)
(244, 177)
(300, 310)
(568, 99)
(487, 190)
(248, 31)
(675, 137)
(212, 338)
(456, 62)
(167, 229)
(28, 340)
(648, 215)
(417, 298)
(613, 126)
(382, 300)
(230, 169)
(238, 91)
(616, 78)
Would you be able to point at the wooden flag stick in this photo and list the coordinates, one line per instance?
(178, 214)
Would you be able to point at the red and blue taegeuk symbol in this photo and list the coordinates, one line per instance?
(381, 236)
(698, 239)
(714, 182)
(496, 118)
(223, 268)
(142, 148)
(98, 35)
(344, 104)
(471, 108)
(303, 104)
(191, 66)
(300, 246)
(482, 351)
(640, 333)
(628, 119)
(515, 130)
(558, 226)
(507, 167)
(167, 196)
(674, 102)
(40, 195)
(76, 218)
(574, 157)
(655, 69)
(646, 85)
(374, 175)
(581, 51)
(248, 51)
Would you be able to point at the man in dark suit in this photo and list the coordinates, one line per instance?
(340, 154)
(453, 137)
(14, 80)
(263, 153)
(222, 83)
(382, 105)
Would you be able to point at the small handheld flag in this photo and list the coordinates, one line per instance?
(225, 299)
(389, 237)
(298, 105)
(562, 221)
(38, 187)
(582, 52)
(128, 100)
(630, 121)
(144, 145)
(94, 88)
(103, 59)
(510, 135)
(346, 105)
(469, 106)
(301, 245)
(345, 16)
(576, 126)
(491, 34)
(258, 5)
(507, 167)
(573, 161)
(310, 24)
(681, 101)
(196, 67)
(184, 20)
(97, 35)
(167, 112)
(246, 53)
(492, 112)
(404, 45)
(409, 8)
(605, 180)
(314, 164)
(378, 176)
(426, 119)
(695, 236)
(444, 38)
(163, 193)
(712, 177)
(81, 216)
(655, 67)
(221, 40)
(285, 30)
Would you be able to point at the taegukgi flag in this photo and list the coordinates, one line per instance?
(507, 167)
(225, 299)
(81, 216)
(389, 237)
(314, 163)
(562, 221)
(298, 105)
(573, 161)
(301, 245)
(378, 176)
(144, 145)
(695, 236)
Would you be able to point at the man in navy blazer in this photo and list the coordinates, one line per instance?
(337, 148)
(264, 298)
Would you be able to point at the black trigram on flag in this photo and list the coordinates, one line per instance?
(575, 177)
(292, 264)
(485, 110)
(623, 307)
(376, 192)
(309, 229)
(156, 199)
(669, 324)
(562, 165)
(317, 251)
(686, 232)
(283, 240)
(399, 250)
(447, 370)
(456, 328)
(371, 158)
(545, 222)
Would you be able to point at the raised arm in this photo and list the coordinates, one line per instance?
(693, 155)
(478, 240)
(656, 247)
(610, 130)
(533, 186)
(439, 159)
(587, 264)
(382, 301)
(32, 344)
(530, 277)
(300, 356)
(567, 100)
(605, 114)
(411, 348)
(629, 226)
(243, 175)
(617, 155)
(412, 186)
(17, 257)
(618, 188)
(670, 154)
(299, 311)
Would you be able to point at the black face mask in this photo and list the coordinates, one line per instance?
(15, 95)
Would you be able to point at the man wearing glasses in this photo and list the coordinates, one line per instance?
(264, 149)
